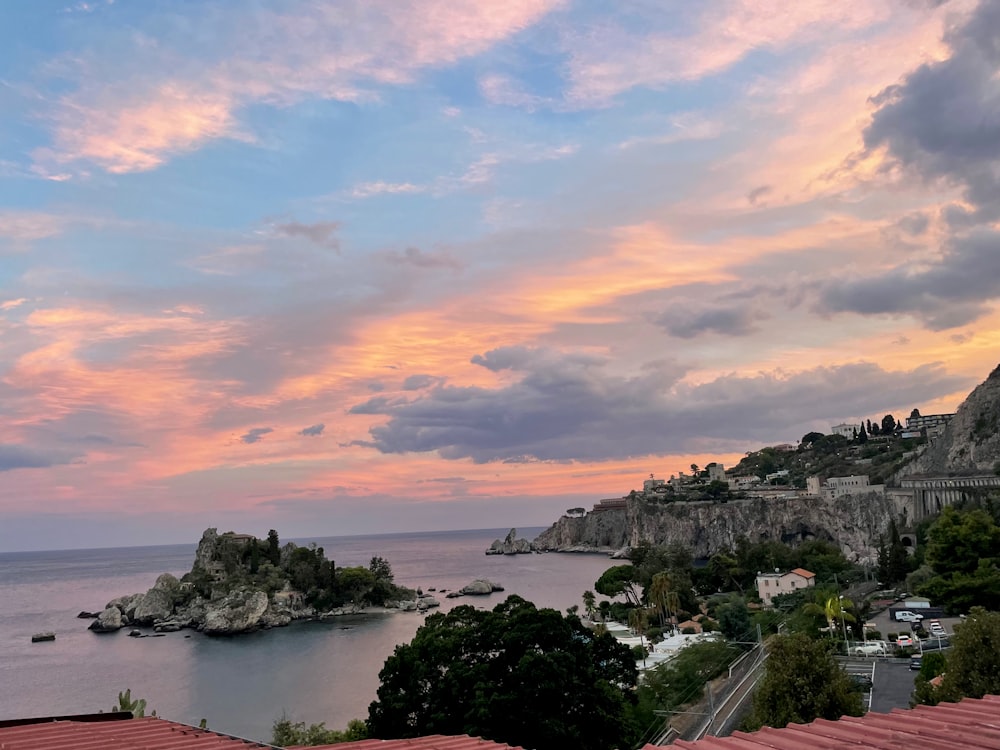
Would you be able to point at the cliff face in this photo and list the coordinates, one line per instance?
(971, 441)
(853, 521)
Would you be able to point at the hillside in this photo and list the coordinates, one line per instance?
(971, 441)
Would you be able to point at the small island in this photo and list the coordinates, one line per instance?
(239, 583)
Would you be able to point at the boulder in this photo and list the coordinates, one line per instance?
(85, 615)
(108, 621)
(238, 612)
(155, 604)
(428, 601)
(480, 587)
(126, 604)
(510, 545)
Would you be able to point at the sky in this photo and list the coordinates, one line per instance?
(368, 266)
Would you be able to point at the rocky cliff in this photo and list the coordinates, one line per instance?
(854, 521)
(971, 441)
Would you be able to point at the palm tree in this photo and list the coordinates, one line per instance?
(638, 618)
(664, 597)
(834, 609)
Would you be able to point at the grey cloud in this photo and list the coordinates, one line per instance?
(374, 405)
(687, 321)
(564, 410)
(322, 233)
(21, 457)
(313, 431)
(414, 256)
(943, 122)
(914, 224)
(755, 195)
(254, 435)
(944, 294)
(418, 382)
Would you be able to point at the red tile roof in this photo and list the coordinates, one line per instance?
(430, 742)
(971, 724)
(149, 733)
(803, 572)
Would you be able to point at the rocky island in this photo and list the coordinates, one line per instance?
(510, 545)
(239, 583)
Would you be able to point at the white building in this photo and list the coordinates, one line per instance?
(846, 430)
(716, 472)
(770, 585)
(856, 484)
(651, 483)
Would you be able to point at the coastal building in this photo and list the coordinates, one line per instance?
(743, 482)
(784, 447)
(649, 484)
(834, 487)
(925, 422)
(716, 472)
(770, 585)
(611, 503)
(844, 429)
(776, 475)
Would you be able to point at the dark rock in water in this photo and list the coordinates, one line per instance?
(85, 615)
(511, 545)
(40, 637)
(134, 634)
(479, 587)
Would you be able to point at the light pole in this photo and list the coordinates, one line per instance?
(843, 622)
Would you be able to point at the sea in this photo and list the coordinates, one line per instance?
(310, 671)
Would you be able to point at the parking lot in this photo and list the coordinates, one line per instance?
(885, 625)
(892, 682)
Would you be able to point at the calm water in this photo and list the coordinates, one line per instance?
(313, 671)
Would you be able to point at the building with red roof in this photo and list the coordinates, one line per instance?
(970, 724)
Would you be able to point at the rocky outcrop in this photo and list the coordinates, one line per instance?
(853, 521)
(510, 545)
(240, 611)
(157, 603)
(109, 621)
(970, 443)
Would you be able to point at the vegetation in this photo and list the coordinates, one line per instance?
(963, 550)
(801, 682)
(286, 733)
(516, 674)
(972, 666)
(136, 707)
(266, 565)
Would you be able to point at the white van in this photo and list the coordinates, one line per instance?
(907, 616)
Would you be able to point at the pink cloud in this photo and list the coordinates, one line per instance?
(309, 50)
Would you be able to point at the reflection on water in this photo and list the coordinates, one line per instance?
(313, 671)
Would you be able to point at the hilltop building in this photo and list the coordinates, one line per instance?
(849, 431)
(833, 487)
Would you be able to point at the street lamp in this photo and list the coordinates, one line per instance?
(843, 623)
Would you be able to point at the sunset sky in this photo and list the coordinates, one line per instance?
(385, 265)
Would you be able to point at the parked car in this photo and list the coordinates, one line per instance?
(904, 615)
(904, 641)
(874, 648)
(935, 644)
(915, 662)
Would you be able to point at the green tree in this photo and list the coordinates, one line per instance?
(516, 674)
(801, 682)
(355, 583)
(588, 603)
(619, 580)
(285, 733)
(273, 547)
(809, 438)
(888, 424)
(734, 621)
(834, 610)
(963, 548)
(862, 435)
(973, 663)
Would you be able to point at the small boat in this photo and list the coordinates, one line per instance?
(40, 637)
